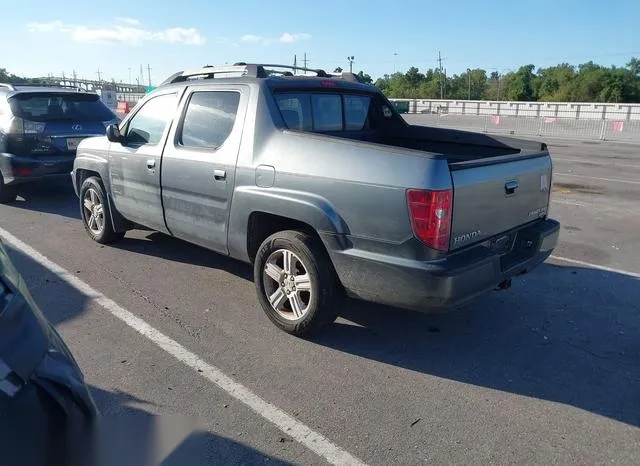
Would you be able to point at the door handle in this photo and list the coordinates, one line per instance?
(151, 164)
(511, 186)
(220, 175)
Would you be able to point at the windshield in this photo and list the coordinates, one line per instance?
(48, 106)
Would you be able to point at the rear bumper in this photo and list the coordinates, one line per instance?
(447, 283)
(19, 170)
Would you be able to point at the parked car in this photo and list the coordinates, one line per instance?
(322, 185)
(40, 128)
(46, 408)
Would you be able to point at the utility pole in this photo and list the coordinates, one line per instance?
(149, 74)
(295, 63)
(305, 60)
(445, 84)
(469, 76)
(99, 75)
(351, 58)
(441, 81)
(395, 54)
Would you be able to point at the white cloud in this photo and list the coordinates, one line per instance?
(132, 21)
(252, 38)
(47, 27)
(288, 37)
(285, 38)
(120, 34)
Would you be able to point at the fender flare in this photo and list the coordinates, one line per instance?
(311, 209)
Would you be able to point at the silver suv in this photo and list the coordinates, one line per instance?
(319, 182)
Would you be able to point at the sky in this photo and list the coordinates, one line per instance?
(113, 39)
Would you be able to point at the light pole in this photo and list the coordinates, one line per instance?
(395, 54)
(469, 75)
(351, 58)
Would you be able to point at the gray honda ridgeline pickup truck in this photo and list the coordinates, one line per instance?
(318, 182)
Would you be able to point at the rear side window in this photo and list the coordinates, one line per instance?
(356, 111)
(323, 112)
(43, 106)
(148, 124)
(209, 119)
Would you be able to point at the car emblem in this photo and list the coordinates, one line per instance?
(76, 127)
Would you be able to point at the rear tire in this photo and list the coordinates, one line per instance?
(296, 283)
(94, 210)
(8, 192)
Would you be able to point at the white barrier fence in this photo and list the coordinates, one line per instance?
(603, 121)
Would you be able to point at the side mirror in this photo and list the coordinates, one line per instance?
(113, 133)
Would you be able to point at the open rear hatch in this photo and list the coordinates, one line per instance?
(495, 195)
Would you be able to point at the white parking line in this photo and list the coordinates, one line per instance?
(616, 180)
(303, 434)
(564, 201)
(593, 162)
(595, 266)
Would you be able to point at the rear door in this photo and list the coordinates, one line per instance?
(199, 164)
(490, 199)
(134, 165)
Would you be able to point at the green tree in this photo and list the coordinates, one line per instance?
(520, 85)
(556, 83)
(365, 77)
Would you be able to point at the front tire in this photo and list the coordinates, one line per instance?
(8, 192)
(95, 212)
(296, 285)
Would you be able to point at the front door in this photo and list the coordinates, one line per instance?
(135, 163)
(198, 165)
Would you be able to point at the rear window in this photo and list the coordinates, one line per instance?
(52, 106)
(324, 112)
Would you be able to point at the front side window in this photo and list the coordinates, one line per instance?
(209, 119)
(148, 124)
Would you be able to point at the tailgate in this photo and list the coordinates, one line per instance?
(492, 198)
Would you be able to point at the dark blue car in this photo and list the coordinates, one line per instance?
(40, 128)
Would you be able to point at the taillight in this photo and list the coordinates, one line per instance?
(430, 213)
(21, 126)
(16, 126)
(33, 127)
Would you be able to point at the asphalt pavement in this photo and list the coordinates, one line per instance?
(545, 372)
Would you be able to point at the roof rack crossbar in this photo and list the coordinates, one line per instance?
(208, 72)
(318, 72)
(254, 70)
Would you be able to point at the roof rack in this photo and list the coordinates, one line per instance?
(13, 86)
(253, 70)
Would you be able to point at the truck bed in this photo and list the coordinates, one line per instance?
(458, 146)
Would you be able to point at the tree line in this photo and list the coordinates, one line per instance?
(587, 82)
(10, 78)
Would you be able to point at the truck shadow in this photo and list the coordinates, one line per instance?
(167, 247)
(563, 334)
(130, 436)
